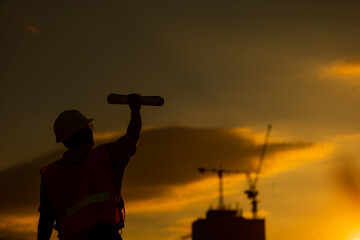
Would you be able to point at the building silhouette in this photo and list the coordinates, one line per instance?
(227, 225)
(222, 224)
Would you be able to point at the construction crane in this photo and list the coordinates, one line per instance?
(220, 173)
(252, 192)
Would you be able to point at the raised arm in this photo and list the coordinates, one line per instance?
(134, 127)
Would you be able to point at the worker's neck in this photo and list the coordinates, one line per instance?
(75, 155)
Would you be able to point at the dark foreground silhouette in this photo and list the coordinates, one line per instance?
(81, 193)
(225, 224)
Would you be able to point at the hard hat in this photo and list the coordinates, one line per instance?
(68, 123)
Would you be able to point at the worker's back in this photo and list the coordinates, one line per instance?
(86, 197)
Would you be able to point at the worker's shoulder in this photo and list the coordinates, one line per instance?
(124, 146)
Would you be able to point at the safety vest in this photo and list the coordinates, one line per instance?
(83, 195)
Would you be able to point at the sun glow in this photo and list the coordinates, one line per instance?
(19, 223)
(345, 71)
(345, 68)
(103, 136)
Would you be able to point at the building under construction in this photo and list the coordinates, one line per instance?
(222, 224)
(226, 225)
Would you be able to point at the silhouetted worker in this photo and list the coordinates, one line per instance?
(82, 191)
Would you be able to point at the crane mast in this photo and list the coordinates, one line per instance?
(220, 171)
(252, 192)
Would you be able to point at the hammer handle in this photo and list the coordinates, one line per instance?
(144, 100)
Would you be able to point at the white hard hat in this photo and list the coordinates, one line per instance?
(68, 123)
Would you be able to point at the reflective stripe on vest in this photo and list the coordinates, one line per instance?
(95, 198)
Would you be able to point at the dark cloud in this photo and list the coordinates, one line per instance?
(171, 156)
(346, 177)
(8, 234)
(166, 157)
(20, 185)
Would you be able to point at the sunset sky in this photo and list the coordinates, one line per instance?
(226, 70)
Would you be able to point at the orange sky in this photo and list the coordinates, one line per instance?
(226, 70)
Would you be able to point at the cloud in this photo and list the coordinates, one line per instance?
(107, 135)
(20, 185)
(347, 71)
(345, 170)
(171, 156)
(166, 158)
(161, 177)
(347, 176)
(18, 227)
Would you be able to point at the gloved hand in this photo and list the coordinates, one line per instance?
(134, 100)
